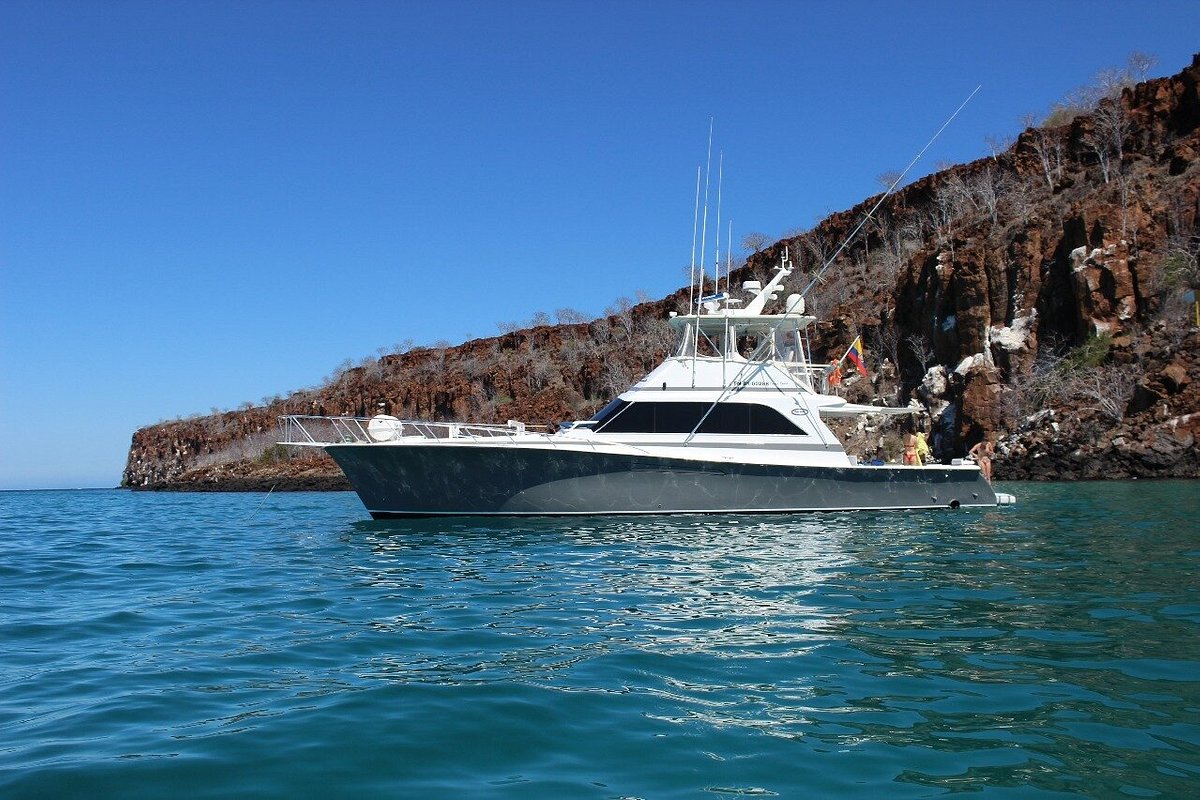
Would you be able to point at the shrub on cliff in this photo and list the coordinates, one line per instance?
(275, 454)
(1181, 266)
(1089, 355)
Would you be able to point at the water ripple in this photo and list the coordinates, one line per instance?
(217, 645)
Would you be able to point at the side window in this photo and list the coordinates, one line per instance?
(728, 418)
(677, 417)
(764, 419)
(630, 418)
(604, 414)
(725, 418)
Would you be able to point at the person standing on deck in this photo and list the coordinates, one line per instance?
(922, 448)
(910, 457)
(833, 375)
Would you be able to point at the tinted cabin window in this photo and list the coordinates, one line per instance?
(632, 418)
(608, 411)
(676, 417)
(734, 418)
(764, 419)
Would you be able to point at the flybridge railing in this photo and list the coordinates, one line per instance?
(817, 376)
(302, 429)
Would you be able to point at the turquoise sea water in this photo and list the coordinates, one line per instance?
(163, 645)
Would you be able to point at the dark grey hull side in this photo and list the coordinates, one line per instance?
(440, 480)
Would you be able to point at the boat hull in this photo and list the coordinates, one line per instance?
(439, 480)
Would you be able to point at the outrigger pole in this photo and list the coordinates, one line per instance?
(703, 246)
(704, 219)
(763, 345)
(695, 226)
(850, 237)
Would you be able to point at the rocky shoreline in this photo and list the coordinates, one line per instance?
(1155, 435)
(303, 473)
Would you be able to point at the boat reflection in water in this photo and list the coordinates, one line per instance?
(543, 598)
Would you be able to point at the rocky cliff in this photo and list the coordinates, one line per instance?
(1038, 296)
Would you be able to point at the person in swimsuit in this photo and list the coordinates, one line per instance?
(910, 446)
(982, 453)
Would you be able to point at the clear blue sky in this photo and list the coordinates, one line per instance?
(205, 203)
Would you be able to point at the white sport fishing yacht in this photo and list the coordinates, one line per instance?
(733, 422)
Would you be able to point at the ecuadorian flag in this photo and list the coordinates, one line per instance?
(855, 354)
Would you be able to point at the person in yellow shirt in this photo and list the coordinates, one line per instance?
(922, 448)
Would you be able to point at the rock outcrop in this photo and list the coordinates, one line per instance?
(1036, 296)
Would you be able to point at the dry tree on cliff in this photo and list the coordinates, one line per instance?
(1106, 138)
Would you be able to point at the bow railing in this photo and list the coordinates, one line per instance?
(319, 430)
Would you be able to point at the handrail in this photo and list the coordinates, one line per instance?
(322, 430)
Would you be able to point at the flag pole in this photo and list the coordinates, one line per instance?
(848, 349)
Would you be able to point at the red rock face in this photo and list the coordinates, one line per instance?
(983, 268)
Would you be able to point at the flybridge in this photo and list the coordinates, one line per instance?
(745, 338)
